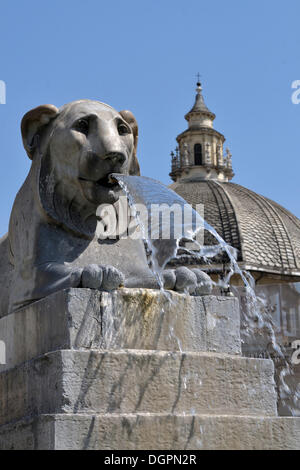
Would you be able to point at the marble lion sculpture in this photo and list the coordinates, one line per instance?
(52, 242)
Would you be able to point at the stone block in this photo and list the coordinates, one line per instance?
(152, 432)
(124, 319)
(135, 381)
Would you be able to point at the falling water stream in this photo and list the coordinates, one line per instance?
(147, 193)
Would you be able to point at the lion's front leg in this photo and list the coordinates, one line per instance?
(52, 277)
(95, 276)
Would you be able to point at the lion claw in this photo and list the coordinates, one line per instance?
(192, 281)
(106, 278)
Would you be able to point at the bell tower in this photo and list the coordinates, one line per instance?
(199, 154)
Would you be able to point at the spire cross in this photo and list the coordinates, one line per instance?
(198, 77)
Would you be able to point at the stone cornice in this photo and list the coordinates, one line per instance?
(202, 131)
(199, 113)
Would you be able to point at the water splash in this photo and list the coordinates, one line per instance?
(162, 229)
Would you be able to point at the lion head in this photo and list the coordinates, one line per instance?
(74, 149)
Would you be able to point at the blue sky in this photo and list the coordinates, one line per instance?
(144, 56)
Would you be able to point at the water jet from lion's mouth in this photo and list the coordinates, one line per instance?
(165, 220)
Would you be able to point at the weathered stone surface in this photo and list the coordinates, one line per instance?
(127, 318)
(137, 381)
(150, 432)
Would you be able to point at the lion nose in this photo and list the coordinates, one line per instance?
(115, 157)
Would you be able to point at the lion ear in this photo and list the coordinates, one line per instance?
(32, 122)
(134, 167)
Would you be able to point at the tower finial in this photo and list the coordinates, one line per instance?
(199, 87)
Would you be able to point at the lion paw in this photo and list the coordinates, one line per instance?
(95, 276)
(193, 281)
(112, 278)
(204, 282)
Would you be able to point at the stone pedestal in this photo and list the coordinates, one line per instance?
(135, 369)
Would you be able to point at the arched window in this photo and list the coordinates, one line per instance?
(198, 154)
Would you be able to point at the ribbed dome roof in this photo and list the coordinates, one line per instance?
(266, 235)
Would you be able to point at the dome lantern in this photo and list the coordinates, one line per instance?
(201, 147)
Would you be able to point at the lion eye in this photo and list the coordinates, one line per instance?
(82, 125)
(122, 129)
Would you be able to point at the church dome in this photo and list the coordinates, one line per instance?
(265, 235)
